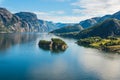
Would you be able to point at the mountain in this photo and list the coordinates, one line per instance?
(60, 25)
(93, 21)
(116, 15)
(104, 18)
(32, 20)
(10, 22)
(89, 22)
(23, 22)
(37, 25)
(69, 29)
(109, 27)
(48, 25)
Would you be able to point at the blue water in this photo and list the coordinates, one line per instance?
(22, 59)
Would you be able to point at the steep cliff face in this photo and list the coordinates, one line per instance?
(47, 25)
(36, 25)
(10, 22)
(23, 22)
(32, 21)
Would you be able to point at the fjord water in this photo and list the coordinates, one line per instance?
(22, 59)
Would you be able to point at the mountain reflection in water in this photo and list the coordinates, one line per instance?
(24, 60)
(8, 40)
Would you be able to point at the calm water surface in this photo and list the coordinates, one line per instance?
(22, 59)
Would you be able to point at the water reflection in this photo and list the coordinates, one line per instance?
(53, 51)
(8, 40)
(54, 71)
(106, 66)
(26, 61)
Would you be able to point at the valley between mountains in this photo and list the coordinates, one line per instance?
(98, 32)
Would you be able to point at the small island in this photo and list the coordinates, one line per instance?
(109, 44)
(55, 45)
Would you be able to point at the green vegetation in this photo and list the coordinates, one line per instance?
(55, 45)
(89, 41)
(109, 27)
(44, 42)
(58, 41)
(110, 44)
(4, 30)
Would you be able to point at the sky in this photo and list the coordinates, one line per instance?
(65, 11)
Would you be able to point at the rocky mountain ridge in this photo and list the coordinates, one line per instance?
(93, 21)
(24, 22)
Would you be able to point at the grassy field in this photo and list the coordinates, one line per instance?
(110, 44)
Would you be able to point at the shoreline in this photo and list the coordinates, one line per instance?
(107, 45)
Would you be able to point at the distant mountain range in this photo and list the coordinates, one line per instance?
(108, 25)
(68, 29)
(25, 22)
(93, 21)
(60, 25)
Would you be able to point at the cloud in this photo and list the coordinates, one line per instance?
(96, 7)
(57, 12)
(51, 13)
(81, 10)
(58, 18)
(41, 13)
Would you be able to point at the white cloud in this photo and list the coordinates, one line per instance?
(82, 9)
(41, 13)
(64, 19)
(58, 18)
(60, 12)
(96, 7)
(57, 12)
